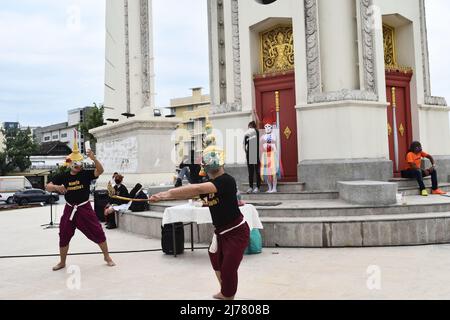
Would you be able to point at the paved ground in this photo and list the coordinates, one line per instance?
(400, 273)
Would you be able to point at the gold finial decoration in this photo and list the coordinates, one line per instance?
(394, 98)
(277, 101)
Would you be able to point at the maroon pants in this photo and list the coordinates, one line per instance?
(230, 251)
(84, 220)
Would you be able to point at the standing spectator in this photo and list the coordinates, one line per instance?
(251, 146)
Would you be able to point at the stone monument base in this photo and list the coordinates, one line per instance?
(141, 149)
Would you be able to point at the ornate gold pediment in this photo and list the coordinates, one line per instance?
(390, 51)
(277, 49)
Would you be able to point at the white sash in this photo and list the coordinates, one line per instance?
(75, 208)
(213, 247)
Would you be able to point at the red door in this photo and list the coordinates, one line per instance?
(400, 130)
(265, 88)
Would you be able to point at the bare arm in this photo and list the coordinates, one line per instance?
(54, 188)
(98, 166)
(431, 159)
(183, 193)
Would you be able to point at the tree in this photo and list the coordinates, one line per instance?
(93, 119)
(19, 146)
(5, 167)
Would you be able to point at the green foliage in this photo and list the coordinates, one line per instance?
(5, 167)
(93, 119)
(19, 146)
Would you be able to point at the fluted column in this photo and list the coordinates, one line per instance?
(338, 43)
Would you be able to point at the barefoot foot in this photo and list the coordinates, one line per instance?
(109, 262)
(219, 296)
(59, 266)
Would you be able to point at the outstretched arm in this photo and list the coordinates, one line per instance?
(98, 166)
(186, 192)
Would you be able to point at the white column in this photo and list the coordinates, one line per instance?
(338, 45)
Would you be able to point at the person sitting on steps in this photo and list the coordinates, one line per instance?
(190, 170)
(414, 171)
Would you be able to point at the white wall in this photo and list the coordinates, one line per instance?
(229, 130)
(115, 81)
(343, 130)
(338, 45)
(115, 59)
(47, 160)
(74, 118)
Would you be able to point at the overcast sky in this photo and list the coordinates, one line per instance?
(50, 63)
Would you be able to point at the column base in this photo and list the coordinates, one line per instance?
(323, 175)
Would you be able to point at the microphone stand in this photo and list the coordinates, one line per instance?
(51, 225)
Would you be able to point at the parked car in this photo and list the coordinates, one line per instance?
(34, 195)
(10, 185)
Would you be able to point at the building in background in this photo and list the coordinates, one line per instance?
(190, 134)
(64, 132)
(179, 106)
(193, 111)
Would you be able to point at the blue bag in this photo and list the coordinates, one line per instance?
(255, 245)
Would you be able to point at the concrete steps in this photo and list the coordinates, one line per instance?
(410, 183)
(319, 232)
(361, 231)
(311, 195)
(321, 220)
(282, 187)
(280, 196)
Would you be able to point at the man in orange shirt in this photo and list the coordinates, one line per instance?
(414, 171)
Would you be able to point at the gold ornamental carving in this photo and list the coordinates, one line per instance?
(389, 129)
(402, 130)
(277, 49)
(390, 51)
(287, 132)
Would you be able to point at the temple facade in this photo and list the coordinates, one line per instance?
(353, 80)
(352, 77)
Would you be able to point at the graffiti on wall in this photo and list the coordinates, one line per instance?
(120, 155)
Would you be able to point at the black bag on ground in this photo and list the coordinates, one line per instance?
(140, 206)
(138, 193)
(167, 238)
(101, 199)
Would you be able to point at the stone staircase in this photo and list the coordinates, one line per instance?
(298, 218)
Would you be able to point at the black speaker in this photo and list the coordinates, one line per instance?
(167, 238)
(101, 200)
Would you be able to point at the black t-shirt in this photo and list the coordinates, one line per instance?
(223, 205)
(78, 186)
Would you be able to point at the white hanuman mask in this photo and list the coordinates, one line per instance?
(268, 128)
